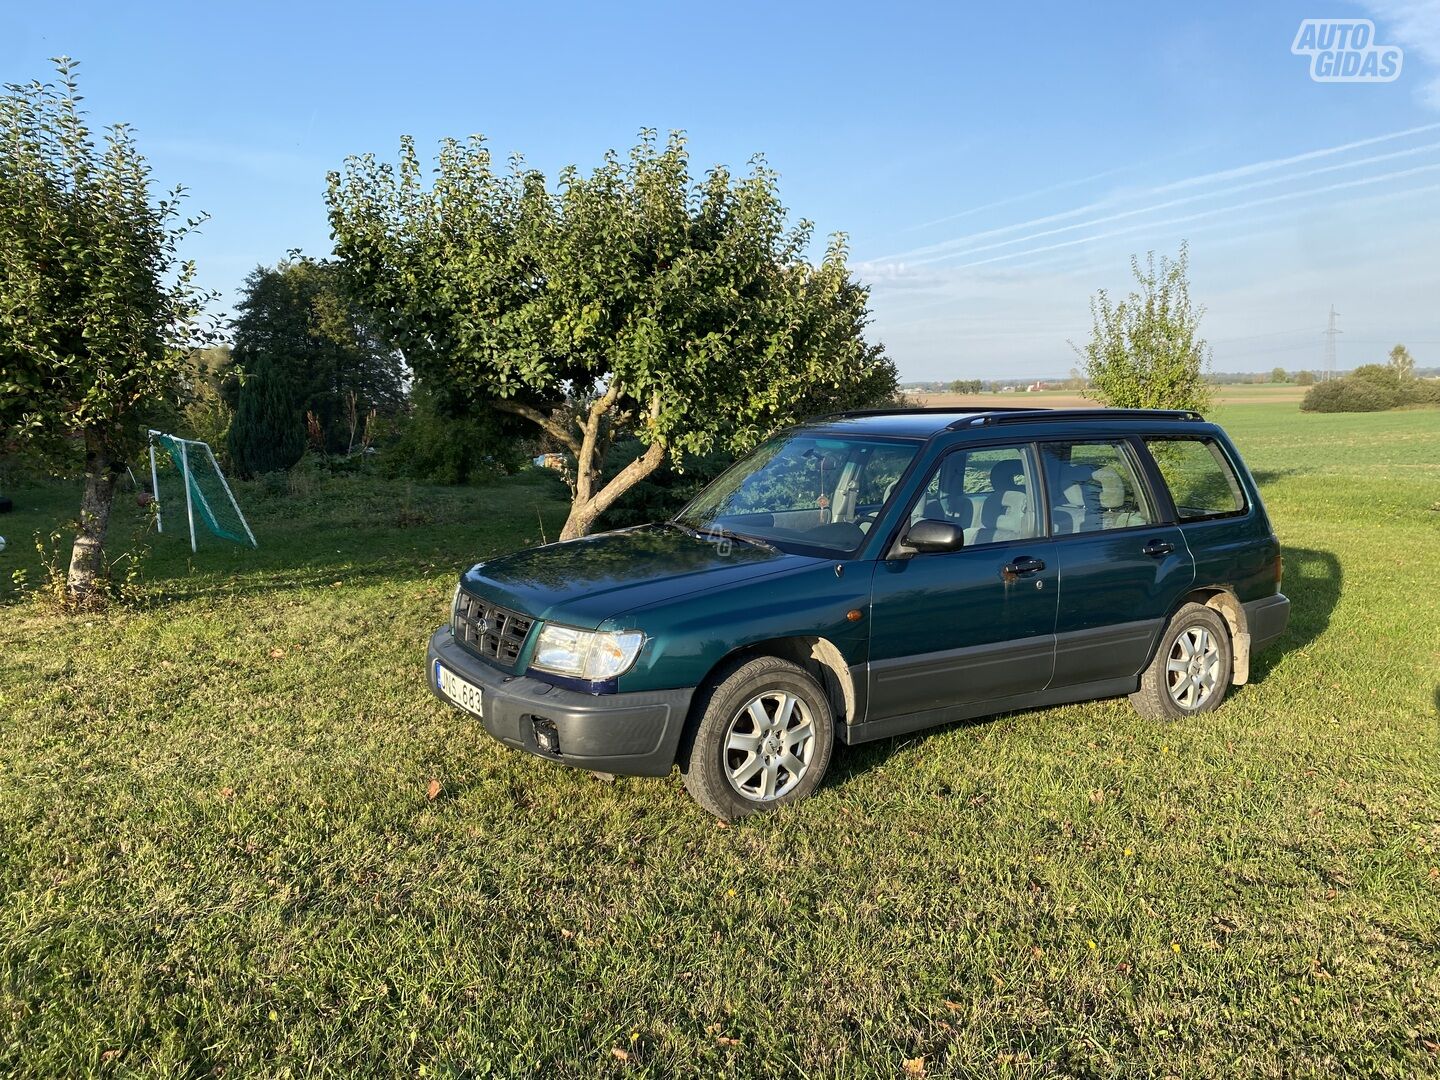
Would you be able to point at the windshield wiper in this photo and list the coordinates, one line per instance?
(711, 536)
(763, 545)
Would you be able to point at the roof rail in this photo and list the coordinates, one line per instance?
(1037, 416)
(902, 411)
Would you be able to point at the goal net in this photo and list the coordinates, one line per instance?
(196, 489)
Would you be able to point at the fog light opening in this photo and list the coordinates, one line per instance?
(547, 737)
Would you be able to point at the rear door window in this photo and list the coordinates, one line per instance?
(1200, 478)
(1094, 486)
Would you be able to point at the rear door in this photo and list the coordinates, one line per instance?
(975, 624)
(1122, 566)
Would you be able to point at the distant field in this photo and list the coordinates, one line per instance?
(238, 836)
(1063, 399)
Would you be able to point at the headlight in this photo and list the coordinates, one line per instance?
(586, 654)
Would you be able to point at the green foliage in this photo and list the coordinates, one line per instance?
(295, 322)
(267, 434)
(1305, 378)
(633, 299)
(1278, 375)
(199, 405)
(966, 386)
(1145, 351)
(97, 312)
(447, 440)
(1372, 388)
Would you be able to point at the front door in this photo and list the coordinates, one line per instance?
(972, 625)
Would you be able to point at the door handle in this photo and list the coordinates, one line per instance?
(1022, 565)
(1158, 549)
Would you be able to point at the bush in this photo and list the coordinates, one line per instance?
(1371, 388)
(1349, 395)
(267, 434)
(448, 441)
(1427, 392)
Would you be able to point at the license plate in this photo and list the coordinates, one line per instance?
(462, 693)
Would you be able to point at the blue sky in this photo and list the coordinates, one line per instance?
(992, 166)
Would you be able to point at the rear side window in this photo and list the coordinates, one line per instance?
(1093, 487)
(1199, 477)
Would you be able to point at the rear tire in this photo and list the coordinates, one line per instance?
(763, 738)
(1191, 671)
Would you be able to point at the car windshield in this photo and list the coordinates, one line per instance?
(803, 490)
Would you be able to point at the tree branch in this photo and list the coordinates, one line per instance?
(633, 473)
(585, 467)
(547, 423)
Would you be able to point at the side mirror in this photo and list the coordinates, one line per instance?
(930, 535)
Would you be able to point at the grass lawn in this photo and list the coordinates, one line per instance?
(219, 853)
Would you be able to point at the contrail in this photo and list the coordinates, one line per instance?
(1219, 193)
(1041, 261)
(1268, 201)
(1018, 198)
(1205, 178)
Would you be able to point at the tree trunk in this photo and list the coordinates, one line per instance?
(583, 514)
(587, 507)
(87, 561)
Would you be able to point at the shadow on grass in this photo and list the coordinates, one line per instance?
(849, 762)
(1313, 580)
(1266, 477)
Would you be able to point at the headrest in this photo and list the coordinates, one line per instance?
(1078, 485)
(1112, 487)
(1006, 475)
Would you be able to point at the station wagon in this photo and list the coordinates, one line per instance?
(871, 574)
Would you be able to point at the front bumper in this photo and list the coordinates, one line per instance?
(634, 734)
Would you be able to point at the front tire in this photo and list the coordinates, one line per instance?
(1191, 671)
(763, 739)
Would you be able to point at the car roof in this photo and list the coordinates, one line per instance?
(926, 423)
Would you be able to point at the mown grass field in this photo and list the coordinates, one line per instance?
(219, 853)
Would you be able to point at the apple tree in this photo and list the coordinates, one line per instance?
(634, 298)
(97, 312)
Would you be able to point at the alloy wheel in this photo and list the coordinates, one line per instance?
(1193, 670)
(768, 745)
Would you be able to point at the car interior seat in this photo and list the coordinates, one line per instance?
(950, 502)
(1078, 507)
(1005, 513)
(1119, 509)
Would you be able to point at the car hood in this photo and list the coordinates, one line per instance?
(586, 581)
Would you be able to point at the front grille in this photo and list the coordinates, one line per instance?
(489, 630)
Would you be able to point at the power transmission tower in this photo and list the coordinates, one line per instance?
(1330, 333)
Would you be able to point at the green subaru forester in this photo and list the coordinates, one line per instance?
(872, 574)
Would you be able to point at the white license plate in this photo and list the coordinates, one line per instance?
(462, 693)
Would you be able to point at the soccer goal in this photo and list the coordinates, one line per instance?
(207, 493)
